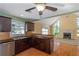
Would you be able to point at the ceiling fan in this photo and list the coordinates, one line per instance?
(41, 7)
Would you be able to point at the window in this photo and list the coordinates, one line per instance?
(56, 28)
(44, 30)
(17, 27)
(77, 26)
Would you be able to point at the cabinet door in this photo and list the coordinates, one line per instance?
(36, 43)
(5, 24)
(21, 45)
(41, 44)
(17, 46)
(24, 44)
(47, 45)
(30, 42)
(1, 25)
(29, 26)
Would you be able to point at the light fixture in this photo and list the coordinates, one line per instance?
(21, 15)
(40, 6)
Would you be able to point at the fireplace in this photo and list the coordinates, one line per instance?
(66, 35)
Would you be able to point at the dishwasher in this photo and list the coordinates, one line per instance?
(7, 48)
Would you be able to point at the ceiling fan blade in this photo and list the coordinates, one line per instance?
(30, 9)
(51, 8)
(40, 12)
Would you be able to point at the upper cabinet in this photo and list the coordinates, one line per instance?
(5, 24)
(29, 26)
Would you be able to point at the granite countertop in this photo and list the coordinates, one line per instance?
(43, 36)
(6, 40)
(11, 39)
(18, 38)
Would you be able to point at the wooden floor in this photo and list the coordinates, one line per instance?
(62, 50)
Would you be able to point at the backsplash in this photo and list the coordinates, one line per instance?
(4, 35)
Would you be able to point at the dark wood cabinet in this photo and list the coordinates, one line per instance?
(21, 45)
(43, 44)
(5, 24)
(29, 26)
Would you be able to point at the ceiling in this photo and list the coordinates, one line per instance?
(18, 9)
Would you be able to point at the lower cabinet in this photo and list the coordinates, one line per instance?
(43, 44)
(21, 45)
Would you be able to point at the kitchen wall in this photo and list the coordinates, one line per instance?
(4, 35)
(50, 30)
(38, 25)
(68, 24)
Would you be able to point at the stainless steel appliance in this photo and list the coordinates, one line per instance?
(7, 48)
